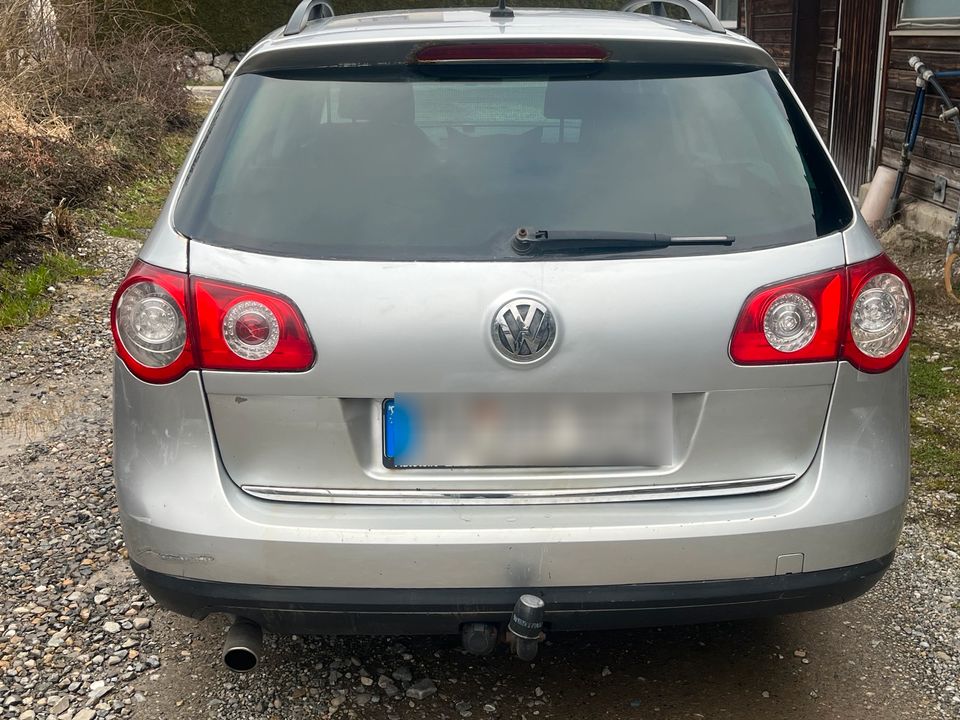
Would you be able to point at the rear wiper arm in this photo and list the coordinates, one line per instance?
(528, 241)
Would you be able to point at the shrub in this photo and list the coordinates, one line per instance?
(81, 102)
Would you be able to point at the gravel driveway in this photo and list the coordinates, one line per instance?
(80, 639)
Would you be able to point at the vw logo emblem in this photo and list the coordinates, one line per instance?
(524, 330)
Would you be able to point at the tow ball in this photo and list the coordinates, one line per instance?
(525, 631)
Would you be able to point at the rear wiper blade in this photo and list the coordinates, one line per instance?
(528, 241)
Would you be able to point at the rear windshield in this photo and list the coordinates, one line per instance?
(447, 168)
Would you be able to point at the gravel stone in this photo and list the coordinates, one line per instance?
(421, 689)
(60, 707)
(403, 674)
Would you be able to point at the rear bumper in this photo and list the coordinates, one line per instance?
(305, 610)
(183, 516)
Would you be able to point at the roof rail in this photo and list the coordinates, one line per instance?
(305, 12)
(699, 13)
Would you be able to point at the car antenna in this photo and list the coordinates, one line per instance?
(501, 10)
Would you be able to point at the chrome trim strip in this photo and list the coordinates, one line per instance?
(518, 497)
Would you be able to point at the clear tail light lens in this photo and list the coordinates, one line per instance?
(862, 313)
(149, 320)
(881, 315)
(251, 330)
(165, 324)
(790, 323)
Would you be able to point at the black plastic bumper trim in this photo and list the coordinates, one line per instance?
(304, 610)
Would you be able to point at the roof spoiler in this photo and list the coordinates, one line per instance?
(700, 14)
(306, 11)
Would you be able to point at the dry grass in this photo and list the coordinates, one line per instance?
(84, 97)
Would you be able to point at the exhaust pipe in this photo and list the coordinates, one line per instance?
(243, 646)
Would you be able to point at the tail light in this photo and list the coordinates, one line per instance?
(149, 320)
(862, 313)
(881, 315)
(241, 328)
(795, 321)
(165, 323)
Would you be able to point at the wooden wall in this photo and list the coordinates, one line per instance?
(938, 148)
(769, 23)
(823, 88)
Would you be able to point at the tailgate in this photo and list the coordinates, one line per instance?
(635, 329)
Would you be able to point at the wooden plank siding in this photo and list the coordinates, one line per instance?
(825, 61)
(770, 24)
(938, 149)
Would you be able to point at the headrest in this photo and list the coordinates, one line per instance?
(376, 101)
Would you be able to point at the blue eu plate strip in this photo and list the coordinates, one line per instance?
(397, 429)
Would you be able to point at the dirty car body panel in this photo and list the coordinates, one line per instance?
(597, 424)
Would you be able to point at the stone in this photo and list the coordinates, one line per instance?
(111, 627)
(99, 692)
(60, 707)
(421, 689)
(403, 674)
(231, 69)
(141, 623)
(209, 75)
(85, 714)
(222, 60)
(203, 58)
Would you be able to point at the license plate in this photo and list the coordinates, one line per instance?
(477, 431)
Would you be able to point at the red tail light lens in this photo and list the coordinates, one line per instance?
(512, 52)
(242, 328)
(862, 313)
(149, 321)
(165, 324)
(795, 321)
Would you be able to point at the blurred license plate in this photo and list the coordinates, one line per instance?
(528, 430)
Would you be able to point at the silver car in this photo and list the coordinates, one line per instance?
(497, 322)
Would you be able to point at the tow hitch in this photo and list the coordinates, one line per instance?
(525, 631)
